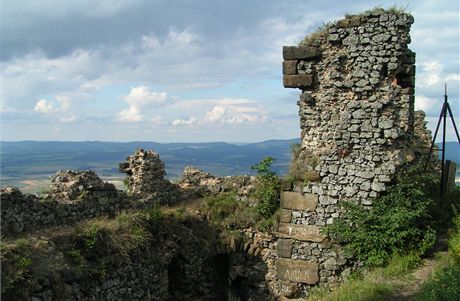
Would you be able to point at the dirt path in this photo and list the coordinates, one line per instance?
(411, 287)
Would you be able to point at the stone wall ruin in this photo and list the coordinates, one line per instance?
(357, 120)
(146, 176)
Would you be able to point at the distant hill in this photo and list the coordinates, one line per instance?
(33, 159)
(452, 152)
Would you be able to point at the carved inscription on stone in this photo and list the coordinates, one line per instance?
(301, 232)
(298, 271)
(298, 201)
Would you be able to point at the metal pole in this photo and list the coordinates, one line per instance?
(453, 122)
(443, 140)
(434, 137)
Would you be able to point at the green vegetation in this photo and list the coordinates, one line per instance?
(371, 284)
(384, 283)
(229, 214)
(267, 188)
(19, 254)
(302, 166)
(394, 9)
(445, 282)
(402, 221)
(90, 248)
(122, 235)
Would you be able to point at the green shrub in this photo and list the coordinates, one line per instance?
(267, 188)
(400, 221)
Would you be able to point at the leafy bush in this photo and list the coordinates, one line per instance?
(400, 221)
(267, 188)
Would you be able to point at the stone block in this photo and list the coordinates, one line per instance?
(290, 67)
(285, 216)
(301, 232)
(298, 201)
(297, 271)
(300, 52)
(286, 185)
(284, 248)
(297, 81)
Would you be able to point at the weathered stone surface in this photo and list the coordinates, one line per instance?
(145, 172)
(298, 201)
(284, 248)
(300, 52)
(290, 67)
(297, 81)
(297, 271)
(301, 232)
(285, 216)
(286, 185)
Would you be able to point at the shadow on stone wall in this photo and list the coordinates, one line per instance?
(184, 259)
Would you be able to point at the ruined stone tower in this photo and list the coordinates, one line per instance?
(357, 116)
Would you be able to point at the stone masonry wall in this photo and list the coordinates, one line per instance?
(357, 119)
(74, 196)
(146, 176)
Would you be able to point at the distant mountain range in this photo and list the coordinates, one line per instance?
(33, 159)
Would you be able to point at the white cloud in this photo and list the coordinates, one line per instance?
(424, 103)
(186, 122)
(224, 111)
(215, 115)
(61, 112)
(130, 114)
(431, 74)
(43, 106)
(140, 98)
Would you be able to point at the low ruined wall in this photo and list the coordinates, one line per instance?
(21, 213)
(74, 196)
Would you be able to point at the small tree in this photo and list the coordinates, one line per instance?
(267, 190)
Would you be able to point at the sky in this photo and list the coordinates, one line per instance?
(184, 71)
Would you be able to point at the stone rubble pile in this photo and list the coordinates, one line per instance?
(199, 183)
(71, 185)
